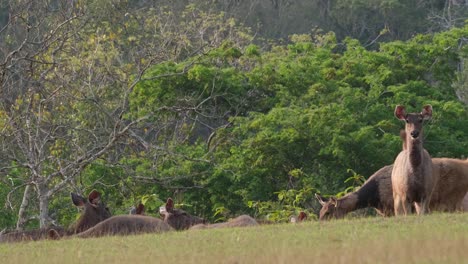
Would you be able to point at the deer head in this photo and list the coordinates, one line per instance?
(330, 208)
(176, 218)
(94, 210)
(414, 121)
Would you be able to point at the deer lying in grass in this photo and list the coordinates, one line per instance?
(30, 235)
(115, 225)
(181, 220)
(94, 211)
(301, 217)
(139, 210)
(126, 225)
(177, 218)
(450, 191)
(240, 221)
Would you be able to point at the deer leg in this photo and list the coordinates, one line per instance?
(421, 208)
(407, 207)
(399, 206)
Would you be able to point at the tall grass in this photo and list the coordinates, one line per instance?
(436, 238)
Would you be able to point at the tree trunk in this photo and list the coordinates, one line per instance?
(44, 219)
(22, 219)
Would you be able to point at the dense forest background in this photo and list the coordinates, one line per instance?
(227, 106)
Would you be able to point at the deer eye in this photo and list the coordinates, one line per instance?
(406, 120)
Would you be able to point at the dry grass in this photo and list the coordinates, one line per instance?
(438, 238)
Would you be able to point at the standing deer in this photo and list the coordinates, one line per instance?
(376, 192)
(412, 180)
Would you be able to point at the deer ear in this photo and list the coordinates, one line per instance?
(169, 204)
(400, 112)
(94, 197)
(77, 199)
(334, 201)
(427, 112)
(320, 199)
(53, 234)
(302, 216)
(140, 209)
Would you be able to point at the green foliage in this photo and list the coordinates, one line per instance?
(289, 203)
(225, 126)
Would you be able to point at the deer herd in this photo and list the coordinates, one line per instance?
(415, 181)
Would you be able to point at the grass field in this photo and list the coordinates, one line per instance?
(436, 238)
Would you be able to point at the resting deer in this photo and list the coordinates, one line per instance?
(94, 211)
(412, 180)
(177, 218)
(240, 221)
(94, 222)
(301, 217)
(139, 210)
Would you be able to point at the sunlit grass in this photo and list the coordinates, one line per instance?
(437, 238)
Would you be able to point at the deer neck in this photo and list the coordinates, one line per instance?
(415, 150)
(348, 203)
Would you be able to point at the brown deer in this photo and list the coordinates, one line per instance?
(139, 210)
(115, 225)
(240, 221)
(301, 217)
(412, 180)
(94, 211)
(376, 192)
(452, 184)
(30, 235)
(126, 225)
(177, 218)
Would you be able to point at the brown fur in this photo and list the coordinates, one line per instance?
(94, 211)
(178, 219)
(376, 192)
(126, 225)
(30, 235)
(451, 187)
(240, 221)
(412, 178)
(301, 217)
(139, 210)
(452, 184)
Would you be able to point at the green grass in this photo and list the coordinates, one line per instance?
(437, 238)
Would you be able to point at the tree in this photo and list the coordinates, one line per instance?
(68, 69)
